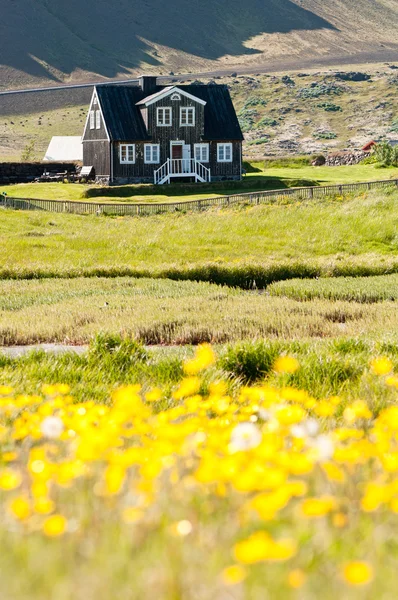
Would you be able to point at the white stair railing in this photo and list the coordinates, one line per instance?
(162, 174)
(182, 167)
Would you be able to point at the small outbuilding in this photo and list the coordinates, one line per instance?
(369, 146)
(65, 149)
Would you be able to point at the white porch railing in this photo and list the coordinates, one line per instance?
(182, 167)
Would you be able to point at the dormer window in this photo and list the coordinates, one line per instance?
(187, 116)
(92, 119)
(98, 119)
(163, 118)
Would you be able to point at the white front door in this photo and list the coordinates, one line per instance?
(186, 158)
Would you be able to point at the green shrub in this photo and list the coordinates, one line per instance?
(316, 90)
(325, 135)
(386, 154)
(394, 126)
(258, 142)
(254, 101)
(251, 361)
(267, 122)
(329, 107)
(247, 118)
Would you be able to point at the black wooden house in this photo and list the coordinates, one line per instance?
(159, 134)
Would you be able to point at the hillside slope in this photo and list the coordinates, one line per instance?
(295, 113)
(75, 40)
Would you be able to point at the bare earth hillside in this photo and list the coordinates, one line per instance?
(49, 41)
(284, 113)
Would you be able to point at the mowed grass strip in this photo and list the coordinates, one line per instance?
(265, 178)
(246, 247)
(358, 289)
(164, 312)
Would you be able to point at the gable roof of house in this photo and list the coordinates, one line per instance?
(124, 119)
(169, 91)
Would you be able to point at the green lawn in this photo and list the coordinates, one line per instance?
(245, 246)
(268, 179)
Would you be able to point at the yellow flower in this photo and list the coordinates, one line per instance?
(54, 526)
(20, 508)
(233, 575)
(286, 364)
(261, 547)
(392, 381)
(357, 410)
(296, 579)
(188, 387)
(114, 479)
(6, 390)
(153, 395)
(357, 573)
(381, 365)
(204, 358)
(10, 480)
(43, 506)
(313, 508)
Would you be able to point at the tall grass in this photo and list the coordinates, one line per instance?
(164, 312)
(358, 289)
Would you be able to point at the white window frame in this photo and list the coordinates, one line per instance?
(221, 153)
(161, 121)
(151, 148)
(92, 119)
(126, 161)
(98, 119)
(200, 148)
(184, 121)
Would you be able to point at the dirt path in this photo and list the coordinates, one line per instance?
(18, 351)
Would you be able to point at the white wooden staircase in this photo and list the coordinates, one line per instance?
(182, 167)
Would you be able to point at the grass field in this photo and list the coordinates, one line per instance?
(267, 178)
(178, 313)
(242, 247)
(254, 470)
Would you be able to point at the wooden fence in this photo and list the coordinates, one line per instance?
(146, 209)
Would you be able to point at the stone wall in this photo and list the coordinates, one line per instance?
(338, 159)
(26, 172)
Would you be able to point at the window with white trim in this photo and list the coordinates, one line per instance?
(127, 154)
(163, 118)
(187, 116)
(92, 119)
(224, 152)
(98, 119)
(202, 152)
(151, 154)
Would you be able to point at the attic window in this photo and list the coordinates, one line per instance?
(95, 101)
(176, 97)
